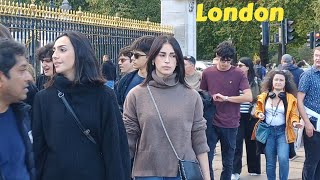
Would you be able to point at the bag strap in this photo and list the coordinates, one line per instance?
(85, 131)
(162, 124)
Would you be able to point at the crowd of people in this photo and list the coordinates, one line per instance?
(77, 120)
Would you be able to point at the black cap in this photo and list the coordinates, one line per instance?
(190, 59)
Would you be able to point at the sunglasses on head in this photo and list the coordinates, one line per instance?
(137, 55)
(186, 57)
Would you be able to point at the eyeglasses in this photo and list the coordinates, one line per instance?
(123, 60)
(46, 59)
(137, 55)
(226, 59)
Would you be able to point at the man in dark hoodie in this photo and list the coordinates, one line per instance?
(287, 64)
(16, 156)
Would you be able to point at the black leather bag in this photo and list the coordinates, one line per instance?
(188, 170)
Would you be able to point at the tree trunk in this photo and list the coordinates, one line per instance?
(264, 56)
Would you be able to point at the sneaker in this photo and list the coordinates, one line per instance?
(254, 174)
(235, 176)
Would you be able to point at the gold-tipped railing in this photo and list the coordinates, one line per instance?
(33, 10)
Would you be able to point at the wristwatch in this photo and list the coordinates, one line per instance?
(226, 98)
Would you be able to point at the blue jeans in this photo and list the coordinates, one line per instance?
(157, 178)
(227, 137)
(277, 145)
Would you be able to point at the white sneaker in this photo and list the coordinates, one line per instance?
(254, 174)
(235, 176)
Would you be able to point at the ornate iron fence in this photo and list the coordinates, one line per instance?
(36, 26)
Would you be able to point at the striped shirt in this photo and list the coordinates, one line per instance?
(244, 107)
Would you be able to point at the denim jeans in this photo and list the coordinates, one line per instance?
(227, 137)
(277, 145)
(158, 178)
(311, 167)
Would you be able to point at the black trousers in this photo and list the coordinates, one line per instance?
(311, 167)
(227, 137)
(244, 132)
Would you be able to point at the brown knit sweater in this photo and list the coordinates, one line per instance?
(182, 112)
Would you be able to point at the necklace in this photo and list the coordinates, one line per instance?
(274, 112)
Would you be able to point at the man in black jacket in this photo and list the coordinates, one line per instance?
(109, 71)
(287, 64)
(16, 156)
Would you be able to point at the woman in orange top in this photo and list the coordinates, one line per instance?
(277, 106)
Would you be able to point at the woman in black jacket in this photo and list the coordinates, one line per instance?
(62, 150)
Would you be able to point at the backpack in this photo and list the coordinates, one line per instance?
(258, 72)
(209, 108)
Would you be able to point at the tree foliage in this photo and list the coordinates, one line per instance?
(134, 9)
(246, 35)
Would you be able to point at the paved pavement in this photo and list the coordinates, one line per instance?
(295, 172)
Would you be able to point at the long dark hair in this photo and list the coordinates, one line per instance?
(154, 51)
(248, 62)
(86, 64)
(290, 86)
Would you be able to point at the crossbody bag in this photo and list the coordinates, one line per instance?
(84, 130)
(188, 170)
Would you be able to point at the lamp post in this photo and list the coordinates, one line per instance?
(51, 4)
(65, 5)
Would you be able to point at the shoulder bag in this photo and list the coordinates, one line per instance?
(188, 170)
(85, 131)
(263, 130)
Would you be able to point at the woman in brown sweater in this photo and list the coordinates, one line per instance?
(180, 108)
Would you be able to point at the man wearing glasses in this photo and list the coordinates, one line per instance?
(223, 82)
(44, 54)
(193, 77)
(139, 49)
(124, 61)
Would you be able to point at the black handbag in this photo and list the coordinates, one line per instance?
(188, 170)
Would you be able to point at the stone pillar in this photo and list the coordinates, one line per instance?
(181, 14)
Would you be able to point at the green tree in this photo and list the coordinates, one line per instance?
(246, 35)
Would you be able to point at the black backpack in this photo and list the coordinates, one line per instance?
(259, 72)
(209, 108)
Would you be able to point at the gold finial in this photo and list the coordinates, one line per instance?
(79, 12)
(117, 16)
(32, 5)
